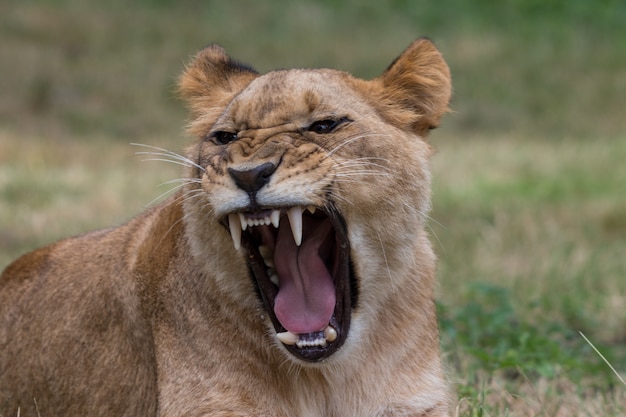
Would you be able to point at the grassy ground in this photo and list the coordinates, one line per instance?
(529, 215)
(531, 241)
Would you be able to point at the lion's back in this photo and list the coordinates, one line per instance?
(69, 328)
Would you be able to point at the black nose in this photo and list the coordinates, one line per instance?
(252, 180)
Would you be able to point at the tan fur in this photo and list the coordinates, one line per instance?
(160, 316)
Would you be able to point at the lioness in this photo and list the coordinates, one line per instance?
(291, 276)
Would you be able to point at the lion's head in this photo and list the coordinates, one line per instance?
(321, 179)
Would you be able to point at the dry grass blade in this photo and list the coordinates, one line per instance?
(603, 358)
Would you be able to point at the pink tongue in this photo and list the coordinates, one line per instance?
(306, 296)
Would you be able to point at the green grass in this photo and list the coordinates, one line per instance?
(531, 237)
(529, 217)
(553, 69)
(538, 217)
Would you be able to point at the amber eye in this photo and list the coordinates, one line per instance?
(222, 137)
(325, 126)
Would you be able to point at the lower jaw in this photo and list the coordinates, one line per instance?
(310, 349)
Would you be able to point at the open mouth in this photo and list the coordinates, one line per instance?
(300, 260)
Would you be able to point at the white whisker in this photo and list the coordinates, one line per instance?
(175, 157)
(182, 182)
(362, 172)
(185, 164)
(347, 164)
(335, 196)
(367, 158)
(354, 139)
(382, 248)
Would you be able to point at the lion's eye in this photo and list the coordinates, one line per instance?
(325, 126)
(223, 138)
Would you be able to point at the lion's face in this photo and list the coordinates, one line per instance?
(321, 180)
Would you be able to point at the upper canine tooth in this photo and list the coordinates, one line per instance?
(235, 229)
(295, 221)
(275, 218)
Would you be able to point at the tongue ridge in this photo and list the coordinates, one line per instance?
(306, 296)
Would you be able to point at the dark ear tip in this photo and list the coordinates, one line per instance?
(216, 55)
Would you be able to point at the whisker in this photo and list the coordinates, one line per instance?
(348, 181)
(382, 248)
(193, 194)
(185, 164)
(167, 153)
(169, 203)
(359, 168)
(356, 163)
(354, 139)
(362, 172)
(169, 191)
(183, 181)
(336, 196)
(362, 160)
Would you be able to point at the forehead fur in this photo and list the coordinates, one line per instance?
(288, 96)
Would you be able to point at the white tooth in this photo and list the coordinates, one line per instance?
(275, 218)
(330, 334)
(243, 221)
(250, 222)
(274, 279)
(295, 221)
(235, 230)
(288, 338)
(309, 343)
(311, 209)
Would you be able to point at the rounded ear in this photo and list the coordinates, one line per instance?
(212, 79)
(415, 89)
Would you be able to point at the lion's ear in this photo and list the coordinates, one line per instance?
(212, 79)
(415, 89)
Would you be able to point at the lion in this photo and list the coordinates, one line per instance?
(292, 274)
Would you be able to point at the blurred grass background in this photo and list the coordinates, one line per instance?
(529, 216)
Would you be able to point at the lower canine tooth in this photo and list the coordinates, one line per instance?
(330, 334)
(274, 279)
(288, 338)
(268, 255)
(235, 229)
